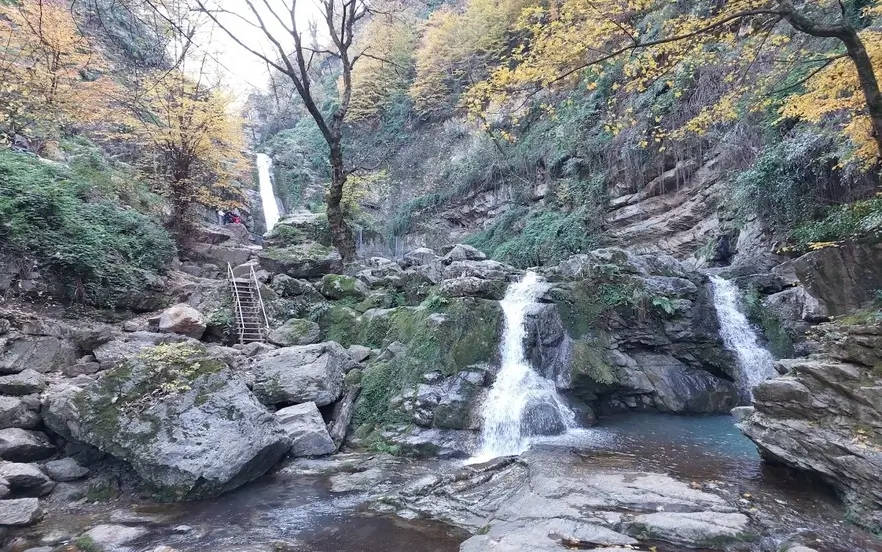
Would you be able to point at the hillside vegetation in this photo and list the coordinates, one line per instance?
(562, 105)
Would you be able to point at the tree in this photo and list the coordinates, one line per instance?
(457, 50)
(52, 75)
(294, 58)
(195, 143)
(587, 34)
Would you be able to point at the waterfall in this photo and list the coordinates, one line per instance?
(521, 403)
(755, 363)
(267, 195)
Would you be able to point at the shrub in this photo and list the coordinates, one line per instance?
(98, 249)
(861, 219)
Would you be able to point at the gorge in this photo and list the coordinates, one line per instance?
(495, 276)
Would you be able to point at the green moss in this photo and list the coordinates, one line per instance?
(338, 286)
(462, 333)
(780, 341)
(85, 544)
(339, 323)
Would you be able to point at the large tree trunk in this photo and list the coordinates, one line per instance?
(856, 51)
(340, 232)
(869, 84)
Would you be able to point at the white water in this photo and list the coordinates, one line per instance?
(755, 363)
(507, 427)
(267, 195)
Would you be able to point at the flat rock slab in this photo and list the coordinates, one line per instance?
(20, 445)
(20, 511)
(711, 530)
(113, 538)
(551, 535)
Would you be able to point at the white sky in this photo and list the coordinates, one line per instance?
(245, 71)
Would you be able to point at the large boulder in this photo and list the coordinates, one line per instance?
(842, 277)
(294, 375)
(712, 530)
(26, 479)
(179, 416)
(65, 469)
(20, 511)
(306, 429)
(296, 331)
(337, 286)
(824, 416)
(308, 260)
(463, 252)
(182, 319)
(40, 353)
(472, 286)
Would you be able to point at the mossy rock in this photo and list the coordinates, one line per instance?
(338, 286)
(307, 260)
(339, 323)
(179, 416)
(296, 331)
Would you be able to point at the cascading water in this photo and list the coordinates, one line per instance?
(521, 402)
(755, 363)
(267, 195)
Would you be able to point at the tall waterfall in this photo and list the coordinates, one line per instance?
(521, 402)
(755, 363)
(267, 195)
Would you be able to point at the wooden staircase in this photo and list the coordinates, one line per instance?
(252, 324)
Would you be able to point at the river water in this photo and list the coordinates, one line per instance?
(309, 510)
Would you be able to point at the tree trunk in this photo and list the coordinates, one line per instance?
(869, 84)
(341, 235)
(856, 51)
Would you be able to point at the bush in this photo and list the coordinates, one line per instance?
(98, 249)
(858, 220)
(524, 239)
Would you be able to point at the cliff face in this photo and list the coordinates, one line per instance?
(824, 416)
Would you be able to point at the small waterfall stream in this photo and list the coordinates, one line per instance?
(521, 403)
(267, 195)
(755, 363)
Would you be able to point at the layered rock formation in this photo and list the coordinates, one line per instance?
(824, 416)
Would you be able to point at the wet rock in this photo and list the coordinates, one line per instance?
(182, 319)
(26, 479)
(20, 445)
(547, 535)
(678, 388)
(295, 331)
(112, 538)
(25, 382)
(420, 442)
(305, 427)
(541, 416)
(18, 413)
(445, 402)
(712, 530)
(195, 431)
(740, 413)
(20, 511)
(66, 469)
(294, 375)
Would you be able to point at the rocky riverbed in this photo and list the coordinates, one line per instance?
(643, 481)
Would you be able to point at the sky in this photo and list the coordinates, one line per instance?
(245, 72)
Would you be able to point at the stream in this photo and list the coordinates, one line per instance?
(322, 505)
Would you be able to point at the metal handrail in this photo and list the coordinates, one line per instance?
(239, 310)
(260, 298)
